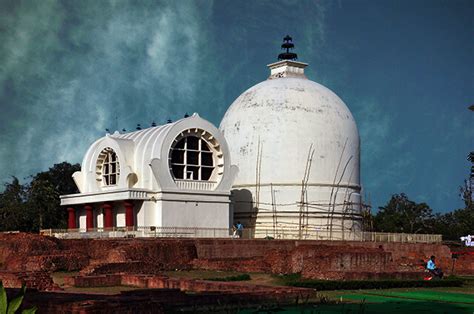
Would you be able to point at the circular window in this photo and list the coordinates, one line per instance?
(195, 155)
(108, 167)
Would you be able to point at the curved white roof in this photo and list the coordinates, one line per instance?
(144, 155)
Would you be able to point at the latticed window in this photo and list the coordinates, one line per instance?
(192, 159)
(108, 167)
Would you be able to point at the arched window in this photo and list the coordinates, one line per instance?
(108, 167)
(192, 159)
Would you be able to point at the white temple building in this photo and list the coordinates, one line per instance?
(287, 150)
(175, 175)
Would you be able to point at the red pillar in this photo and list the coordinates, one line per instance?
(89, 218)
(108, 213)
(128, 213)
(71, 221)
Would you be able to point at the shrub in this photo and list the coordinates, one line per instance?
(370, 284)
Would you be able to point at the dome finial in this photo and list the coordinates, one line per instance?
(287, 44)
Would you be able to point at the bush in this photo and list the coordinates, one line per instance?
(242, 277)
(369, 284)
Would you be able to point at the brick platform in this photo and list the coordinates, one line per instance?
(184, 284)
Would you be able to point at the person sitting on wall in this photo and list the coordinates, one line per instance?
(240, 229)
(431, 266)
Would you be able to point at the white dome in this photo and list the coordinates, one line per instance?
(288, 114)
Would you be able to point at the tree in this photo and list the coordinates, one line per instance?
(454, 224)
(60, 176)
(13, 209)
(403, 215)
(36, 205)
(43, 200)
(44, 191)
(465, 192)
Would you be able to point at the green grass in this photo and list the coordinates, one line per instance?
(428, 295)
(397, 307)
(201, 274)
(392, 301)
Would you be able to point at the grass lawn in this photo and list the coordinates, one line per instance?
(398, 300)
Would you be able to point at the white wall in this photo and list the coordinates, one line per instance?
(195, 214)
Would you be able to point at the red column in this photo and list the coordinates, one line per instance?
(128, 213)
(71, 221)
(89, 218)
(108, 213)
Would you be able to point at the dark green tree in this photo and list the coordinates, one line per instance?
(403, 215)
(43, 195)
(30, 207)
(43, 201)
(14, 214)
(60, 176)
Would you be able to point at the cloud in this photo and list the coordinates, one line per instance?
(385, 161)
(70, 70)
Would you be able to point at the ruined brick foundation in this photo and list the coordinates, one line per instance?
(27, 253)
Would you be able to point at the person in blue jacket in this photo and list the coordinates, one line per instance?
(240, 229)
(431, 266)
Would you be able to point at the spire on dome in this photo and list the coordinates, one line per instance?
(287, 66)
(287, 44)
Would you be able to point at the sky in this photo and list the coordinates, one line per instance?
(71, 69)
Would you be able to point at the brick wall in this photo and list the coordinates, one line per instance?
(34, 279)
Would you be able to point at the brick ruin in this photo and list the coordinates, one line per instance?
(137, 262)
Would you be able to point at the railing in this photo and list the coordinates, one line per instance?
(191, 232)
(340, 235)
(141, 232)
(402, 237)
(196, 185)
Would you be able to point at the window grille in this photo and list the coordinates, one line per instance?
(108, 167)
(192, 159)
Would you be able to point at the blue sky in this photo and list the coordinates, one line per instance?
(70, 69)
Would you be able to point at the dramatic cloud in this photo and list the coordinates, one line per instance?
(71, 69)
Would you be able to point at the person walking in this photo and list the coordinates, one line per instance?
(240, 229)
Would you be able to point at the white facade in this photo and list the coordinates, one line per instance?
(174, 175)
(296, 145)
